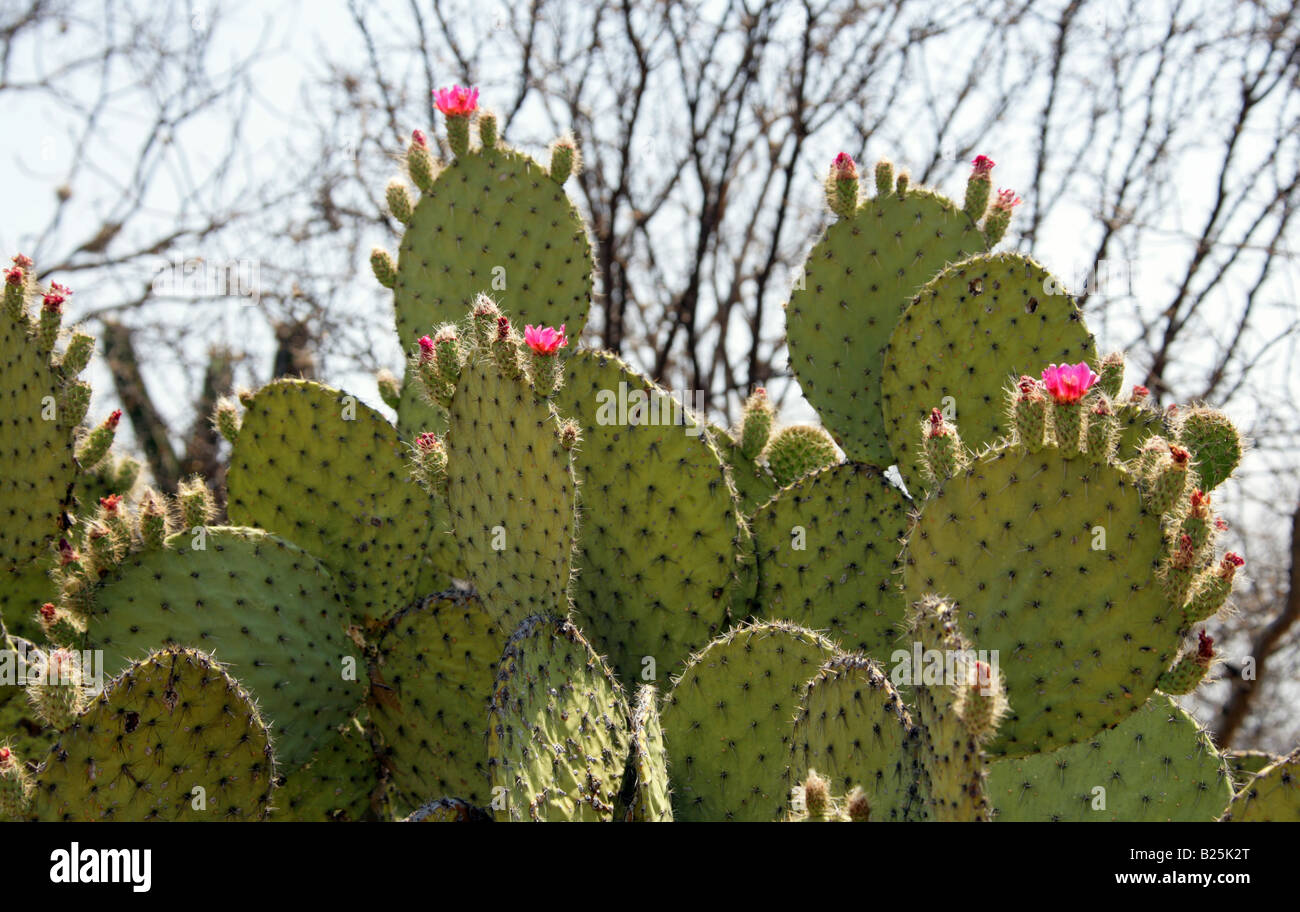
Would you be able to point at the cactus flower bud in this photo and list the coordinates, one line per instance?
(816, 794)
(1111, 380)
(570, 434)
(382, 265)
(998, 218)
(226, 418)
(565, 159)
(1213, 591)
(842, 186)
(15, 785)
(1184, 677)
(487, 129)
(429, 466)
(858, 807)
(417, 137)
(756, 423)
(427, 349)
(978, 187)
(884, 177)
(399, 204)
(944, 455)
(15, 275)
(1140, 393)
(485, 318)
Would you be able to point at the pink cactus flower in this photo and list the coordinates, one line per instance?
(428, 442)
(1180, 455)
(426, 349)
(1200, 504)
(417, 137)
(981, 166)
(14, 275)
(23, 262)
(1228, 566)
(54, 299)
(457, 101)
(1007, 200)
(503, 328)
(544, 340)
(844, 168)
(1221, 524)
(1140, 392)
(6, 756)
(67, 554)
(48, 611)
(111, 503)
(937, 426)
(111, 421)
(1068, 382)
(1028, 386)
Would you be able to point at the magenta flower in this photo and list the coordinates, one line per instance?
(1140, 392)
(417, 137)
(1007, 200)
(111, 503)
(14, 275)
(937, 426)
(981, 166)
(111, 421)
(844, 168)
(1228, 566)
(457, 101)
(48, 612)
(1068, 382)
(56, 296)
(1200, 504)
(544, 340)
(1180, 455)
(23, 262)
(428, 442)
(426, 349)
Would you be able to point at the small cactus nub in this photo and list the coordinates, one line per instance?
(566, 161)
(998, 218)
(399, 204)
(978, 187)
(842, 186)
(884, 177)
(756, 423)
(226, 418)
(382, 265)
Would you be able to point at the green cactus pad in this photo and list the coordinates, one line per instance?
(511, 491)
(258, 603)
(431, 683)
(21, 594)
(1136, 423)
(448, 810)
(493, 222)
(856, 282)
(1082, 634)
(973, 328)
(558, 727)
(1157, 764)
(336, 784)
(651, 800)
(1246, 764)
(168, 725)
(664, 547)
(754, 484)
(37, 450)
(1273, 795)
(843, 581)
(728, 721)
(853, 729)
(796, 451)
(1214, 442)
(415, 413)
(321, 469)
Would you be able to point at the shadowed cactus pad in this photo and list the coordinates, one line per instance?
(431, 684)
(448, 810)
(856, 282)
(1157, 764)
(258, 603)
(558, 728)
(511, 491)
(828, 556)
(1083, 632)
(317, 467)
(851, 726)
(170, 724)
(662, 538)
(971, 328)
(728, 721)
(336, 784)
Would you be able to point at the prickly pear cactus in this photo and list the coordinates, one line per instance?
(174, 737)
(663, 549)
(1273, 795)
(1214, 442)
(431, 681)
(854, 285)
(852, 727)
(262, 604)
(338, 783)
(557, 728)
(448, 810)
(728, 721)
(827, 550)
(326, 472)
(973, 327)
(1157, 764)
(490, 220)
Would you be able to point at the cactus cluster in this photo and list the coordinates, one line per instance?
(552, 591)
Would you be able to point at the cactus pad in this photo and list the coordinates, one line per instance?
(168, 725)
(1214, 442)
(558, 727)
(255, 601)
(336, 784)
(651, 800)
(853, 729)
(1157, 764)
(1083, 634)
(850, 522)
(430, 685)
(971, 328)
(662, 537)
(856, 282)
(493, 221)
(728, 721)
(319, 468)
(511, 491)
(1273, 795)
